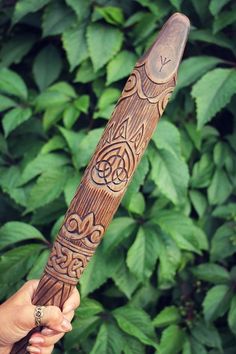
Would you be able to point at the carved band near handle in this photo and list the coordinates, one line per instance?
(112, 166)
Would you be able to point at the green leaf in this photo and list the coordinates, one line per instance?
(109, 340)
(71, 186)
(194, 134)
(193, 68)
(12, 84)
(6, 103)
(220, 187)
(220, 151)
(224, 19)
(119, 229)
(48, 187)
(111, 14)
(42, 163)
(223, 243)
(120, 66)
(199, 202)
(40, 263)
(57, 18)
(109, 95)
(212, 273)
(52, 114)
(80, 7)
(167, 137)
(98, 271)
(133, 346)
(15, 117)
(15, 263)
(227, 211)
(70, 116)
(88, 307)
(73, 140)
(136, 182)
(206, 36)
(82, 103)
(169, 315)
(216, 302)
(97, 35)
(202, 172)
(145, 249)
(212, 92)
(24, 7)
(82, 328)
(137, 323)
(216, 6)
(125, 280)
(172, 340)
(170, 258)
(182, 229)
(86, 73)
(232, 315)
(55, 143)
(136, 204)
(170, 174)
(201, 9)
(9, 181)
(176, 4)
(75, 45)
(87, 146)
(47, 67)
(56, 95)
(15, 231)
(14, 49)
(206, 334)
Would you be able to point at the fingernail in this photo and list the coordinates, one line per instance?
(36, 340)
(33, 349)
(47, 331)
(65, 325)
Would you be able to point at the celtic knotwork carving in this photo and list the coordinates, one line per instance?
(114, 166)
(75, 244)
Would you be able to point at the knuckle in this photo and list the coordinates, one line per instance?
(56, 314)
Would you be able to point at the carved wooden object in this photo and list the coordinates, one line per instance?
(113, 164)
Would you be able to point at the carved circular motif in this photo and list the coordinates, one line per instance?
(114, 166)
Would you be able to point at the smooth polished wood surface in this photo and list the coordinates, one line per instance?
(113, 164)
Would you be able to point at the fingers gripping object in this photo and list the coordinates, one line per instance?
(113, 164)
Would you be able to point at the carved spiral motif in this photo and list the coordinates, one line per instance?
(75, 229)
(164, 100)
(134, 85)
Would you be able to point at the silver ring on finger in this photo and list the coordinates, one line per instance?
(38, 315)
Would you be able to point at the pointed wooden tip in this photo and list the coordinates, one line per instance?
(163, 58)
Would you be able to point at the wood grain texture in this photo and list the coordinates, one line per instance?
(113, 164)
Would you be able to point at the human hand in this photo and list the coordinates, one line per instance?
(17, 314)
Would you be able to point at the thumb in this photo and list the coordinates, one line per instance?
(52, 318)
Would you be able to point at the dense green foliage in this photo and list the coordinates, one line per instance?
(163, 279)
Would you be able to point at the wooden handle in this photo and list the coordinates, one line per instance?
(112, 166)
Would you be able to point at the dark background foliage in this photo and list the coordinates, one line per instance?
(163, 279)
